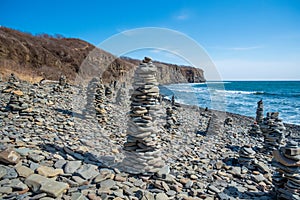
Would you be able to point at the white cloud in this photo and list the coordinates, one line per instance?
(182, 15)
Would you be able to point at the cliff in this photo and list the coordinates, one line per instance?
(33, 58)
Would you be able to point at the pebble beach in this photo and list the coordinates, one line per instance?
(54, 145)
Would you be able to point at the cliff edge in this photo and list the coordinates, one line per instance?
(33, 58)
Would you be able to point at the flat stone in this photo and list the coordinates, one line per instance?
(18, 185)
(107, 184)
(163, 171)
(59, 164)
(262, 167)
(161, 196)
(72, 166)
(35, 157)
(214, 189)
(78, 196)
(189, 184)
(10, 173)
(54, 188)
(88, 171)
(5, 190)
(24, 171)
(35, 181)
(3, 171)
(49, 171)
(258, 178)
(285, 161)
(23, 151)
(171, 193)
(9, 156)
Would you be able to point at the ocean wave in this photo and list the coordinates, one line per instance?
(239, 92)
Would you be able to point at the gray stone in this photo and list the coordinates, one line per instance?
(78, 196)
(5, 190)
(107, 184)
(18, 185)
(40, 183)
(24, 171)
(10, 173)
(3, 171)
(88, 171)
(59, 164)
(171, 193)
(214, 189)
(163, 171)
(258, 178)
(54, 188)
(161, 196)
(72, 166)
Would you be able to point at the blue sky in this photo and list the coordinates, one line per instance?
(246, 39)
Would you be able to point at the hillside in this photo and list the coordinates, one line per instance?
(33, 58)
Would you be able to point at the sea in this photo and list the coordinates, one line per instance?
(241, 97)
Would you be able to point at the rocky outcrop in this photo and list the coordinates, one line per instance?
(36, 57)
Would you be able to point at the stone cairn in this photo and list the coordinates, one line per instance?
(246, 156)
(99, 103)
(142, 151)
(255, 127)
(286, 180)
(12, 84)
(108, 92)
(122, 96)
(260, 112)
(273, 131)
(171, 119)
(19, 102)
(62, 84)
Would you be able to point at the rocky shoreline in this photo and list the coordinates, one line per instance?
(52, 147)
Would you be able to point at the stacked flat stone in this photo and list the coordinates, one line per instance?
(255, 130)
(108, 92)
(12, 84)
(62, 80)
(260, 112)
(142, 150)
(246, 156)
(287, 178)
(62, 83)
(171, 119)
(273, 131)
(122, 96)
(99, 103)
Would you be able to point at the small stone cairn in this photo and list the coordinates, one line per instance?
(108, 92)
(12, 84)
(62, 84)
(122, 96)
(255, 127)
(246, 156)
(171, 119)
(287, 178)
(100, 107)
(273, 131)
(142, 151)
(260, 112)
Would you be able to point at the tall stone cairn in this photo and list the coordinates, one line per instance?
(260, 112)
(286, 180)
(142, 151)
(100, 103)
(273, 131)
(255, 127)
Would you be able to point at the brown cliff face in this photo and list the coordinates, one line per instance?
(35, 57)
